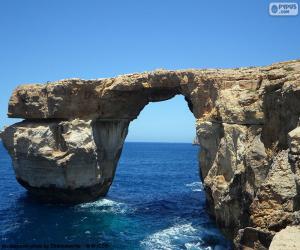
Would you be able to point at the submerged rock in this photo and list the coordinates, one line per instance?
(247, 123)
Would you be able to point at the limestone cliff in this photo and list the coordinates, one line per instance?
(247, 122)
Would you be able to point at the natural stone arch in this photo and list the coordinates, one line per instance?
(100, 112)
(246, 120)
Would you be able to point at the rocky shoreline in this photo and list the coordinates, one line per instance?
(247, 122)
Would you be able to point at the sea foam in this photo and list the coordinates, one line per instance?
(106, 206)
(195, 186)
(173, 237)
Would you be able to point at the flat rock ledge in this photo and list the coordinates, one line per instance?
(247, 122)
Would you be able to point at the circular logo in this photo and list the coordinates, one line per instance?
(274, 9)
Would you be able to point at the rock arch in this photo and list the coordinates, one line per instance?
(75, 128)
(68, 146)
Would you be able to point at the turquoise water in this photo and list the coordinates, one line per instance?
(155, 202)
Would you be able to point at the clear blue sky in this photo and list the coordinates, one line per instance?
(45, 40)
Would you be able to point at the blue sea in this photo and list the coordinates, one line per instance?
(156, 202)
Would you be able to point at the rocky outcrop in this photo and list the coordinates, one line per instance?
(247, 123)
(66, 161)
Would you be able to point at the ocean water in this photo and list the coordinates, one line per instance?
(155, 202)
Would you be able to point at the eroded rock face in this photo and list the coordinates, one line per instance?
(65, 161)
(247, 122)
(250, 159)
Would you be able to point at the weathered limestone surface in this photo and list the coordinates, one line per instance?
(287, 239)
(247, 123)
(66, 161)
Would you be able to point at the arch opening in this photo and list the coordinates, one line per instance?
(157, 178)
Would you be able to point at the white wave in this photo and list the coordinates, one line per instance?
(169, 238)
(100, 203)
(195, 186)
(106, 206)
(196, 246)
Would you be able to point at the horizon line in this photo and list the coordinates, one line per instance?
(158, 142)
